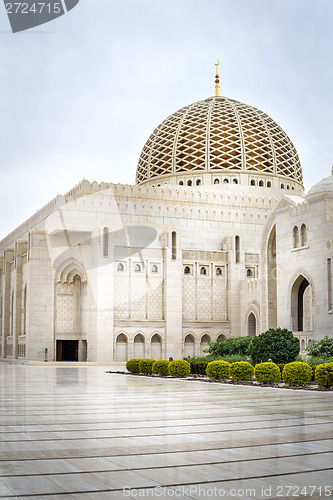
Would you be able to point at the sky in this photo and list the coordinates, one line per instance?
(80, 95)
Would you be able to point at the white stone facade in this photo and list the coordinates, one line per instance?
(109, 272)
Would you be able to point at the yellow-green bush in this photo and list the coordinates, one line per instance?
(179, 368)
(241, 370)
(218, 369)
(267, 373)
(297, 373)
(324, 375)
(146, 365)
(160, 367)
(132, 365)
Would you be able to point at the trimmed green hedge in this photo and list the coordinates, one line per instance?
(267, 373)
(241, 370)
(146, 365)
(198, 367)
(160, 367)
(218, 370)
(132, 365)
(179, 368)
(324, 375)
(297, 373)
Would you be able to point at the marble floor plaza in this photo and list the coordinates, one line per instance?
(77, 432)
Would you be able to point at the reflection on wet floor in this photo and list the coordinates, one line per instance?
(80, 432)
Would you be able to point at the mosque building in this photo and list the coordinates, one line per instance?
(215, 240)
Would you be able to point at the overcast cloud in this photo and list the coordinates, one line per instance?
(81, 94)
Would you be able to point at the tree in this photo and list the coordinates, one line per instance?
(322, 348)
(279, 345)
(236, 345)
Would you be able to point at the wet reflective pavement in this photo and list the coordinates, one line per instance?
(79, 432)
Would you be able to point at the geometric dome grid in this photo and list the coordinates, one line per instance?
(214, 135)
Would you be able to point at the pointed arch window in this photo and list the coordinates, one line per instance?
(295, 237)
(106, 242)
(237, 249)
(173, 245)
(304, 238)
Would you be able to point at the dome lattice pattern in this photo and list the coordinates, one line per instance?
(218, 135)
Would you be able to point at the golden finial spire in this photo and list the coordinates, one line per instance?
(217, 80)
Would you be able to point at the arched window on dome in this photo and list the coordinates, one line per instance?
(154, 269)
(288, 187)
(269, 184)
(253, 182)
(292, 188)
(261, 183)
(120, 267)
(216, 181)
(225, 181)
(237, 249)
(189, 183)
(198, 183)
(218, 271)
(304, 237)
(181, 183)
(203, 270)
(235, 181)
(295, 237)
(282, 186)
(137, 268)
(187, 270)
(249, 273)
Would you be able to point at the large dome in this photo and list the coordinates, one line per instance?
(220, 136)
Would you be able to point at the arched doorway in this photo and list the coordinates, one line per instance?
(251, 325)
(301, 305)
(204, 344)
(189, 346)
(70, 310)
(139, 347)
(121, 348)
(156, 347)
(271, 280)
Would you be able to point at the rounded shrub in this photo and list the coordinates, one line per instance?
(179, 368)
(324, 375)
(218, 370)
(132, 365)
(267, 373)
(278, 344)
(241, 370)
(146, 365)
(297, 373)
(160, 367)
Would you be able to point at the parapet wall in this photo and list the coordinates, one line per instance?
(177, 201)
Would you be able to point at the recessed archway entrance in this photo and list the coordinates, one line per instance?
(251, 325)
(301, 305)
(67, 350)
